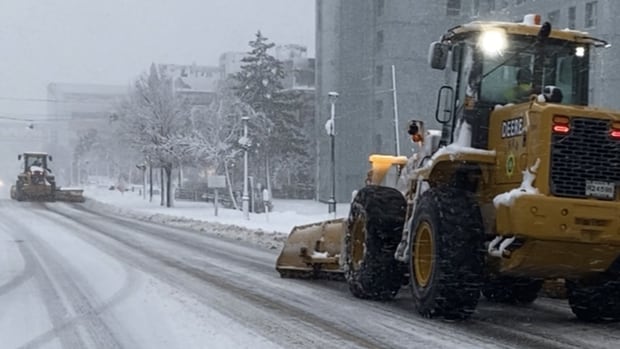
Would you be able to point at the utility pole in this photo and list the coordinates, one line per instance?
(331, 130)
(395, 99)
(245, 142)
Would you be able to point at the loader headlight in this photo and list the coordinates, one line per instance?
(1, 183)
(493, 42)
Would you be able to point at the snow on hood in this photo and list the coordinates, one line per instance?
(500, 106)
(526, 188)
(36, 168)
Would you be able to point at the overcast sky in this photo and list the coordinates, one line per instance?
(113, 41)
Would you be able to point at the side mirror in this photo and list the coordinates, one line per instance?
(19, 157)
(49, 157)
(438, 55)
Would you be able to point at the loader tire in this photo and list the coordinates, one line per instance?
(595, 301)
(19, 192)
(447, 253)
(512, 290)
(373, 231)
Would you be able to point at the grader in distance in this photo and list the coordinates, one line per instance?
(37, 183)
(515, 189)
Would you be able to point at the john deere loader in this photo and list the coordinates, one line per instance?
(37, 183)
(521, 185)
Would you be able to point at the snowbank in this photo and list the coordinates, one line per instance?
(269, 231)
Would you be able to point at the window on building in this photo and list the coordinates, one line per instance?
(572, 17)
(503, 4)
(491, 5)
(378, 143)
(453, 8)
(554, 18)
(475, 8)
(379, 75)
(380, 7)
(591, 14)
(379, 108)
(519, 2)
(379, 40)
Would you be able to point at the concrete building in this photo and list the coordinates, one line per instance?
(197, 83)
(230, 63)
(358, 42)
(72, 110)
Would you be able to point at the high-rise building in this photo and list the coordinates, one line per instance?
(359, 41)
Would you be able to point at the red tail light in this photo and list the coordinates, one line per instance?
(615, 130)
(561, 124)
(561, 128)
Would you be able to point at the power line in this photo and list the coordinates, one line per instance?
(45, 100)
(61, 118)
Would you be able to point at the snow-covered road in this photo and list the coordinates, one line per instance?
(72, 277)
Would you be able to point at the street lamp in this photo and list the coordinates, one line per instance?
(245, 143)
(330, 127)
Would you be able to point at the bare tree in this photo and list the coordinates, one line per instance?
(156, 123)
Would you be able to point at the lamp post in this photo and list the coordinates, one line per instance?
(330, 127)
(245, 143)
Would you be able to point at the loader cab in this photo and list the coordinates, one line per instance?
(491, 64)
(35, 159)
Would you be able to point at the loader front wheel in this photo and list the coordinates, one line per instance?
(373, 231)
(19, 191)
(512, 290)
(595, 301)
(447, 254)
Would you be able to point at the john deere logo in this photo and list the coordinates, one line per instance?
(510, 164)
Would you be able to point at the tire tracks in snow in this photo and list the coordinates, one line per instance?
(423, 331)
(25, 274)
(73, 309)
(541, 325)
(300, 329)
(493, 326)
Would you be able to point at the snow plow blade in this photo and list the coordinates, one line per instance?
(312, 251)
(69, 195)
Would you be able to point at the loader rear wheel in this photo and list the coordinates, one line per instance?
(595, 301)
(447, 254)
(373, 231)
(513, 290)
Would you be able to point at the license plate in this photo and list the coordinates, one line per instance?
(601, 190)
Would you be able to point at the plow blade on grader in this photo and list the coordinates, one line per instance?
(312, 251)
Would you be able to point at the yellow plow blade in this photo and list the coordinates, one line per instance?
(313, 251)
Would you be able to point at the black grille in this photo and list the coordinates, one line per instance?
(586, 153)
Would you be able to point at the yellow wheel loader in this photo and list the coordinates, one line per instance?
(36, 182)
(520, 186)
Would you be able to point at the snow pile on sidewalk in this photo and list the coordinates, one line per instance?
(269, 231)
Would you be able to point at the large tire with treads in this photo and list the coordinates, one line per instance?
(447, 253)
(595, 301)
(512, 290)
(373, 231)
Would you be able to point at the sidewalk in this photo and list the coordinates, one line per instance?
(286, 213)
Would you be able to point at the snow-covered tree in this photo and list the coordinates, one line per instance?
(282, 135)
(156, 123)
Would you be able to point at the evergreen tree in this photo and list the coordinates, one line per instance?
(280, 136)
